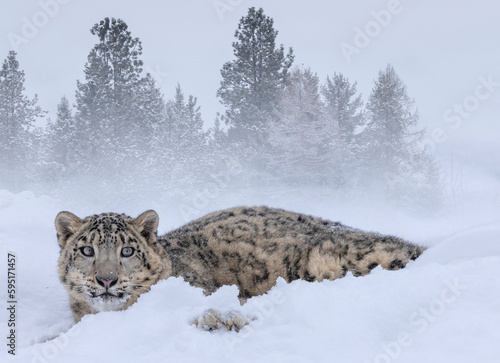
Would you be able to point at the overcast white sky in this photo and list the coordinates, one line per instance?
(439, 48)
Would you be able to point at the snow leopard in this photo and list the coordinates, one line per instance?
(108, 260)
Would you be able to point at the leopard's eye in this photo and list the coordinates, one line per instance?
(127, 251)
(87, 251)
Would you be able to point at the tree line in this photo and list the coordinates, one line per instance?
(282, 126)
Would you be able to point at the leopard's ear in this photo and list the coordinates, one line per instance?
(66, 225)
(147, 225)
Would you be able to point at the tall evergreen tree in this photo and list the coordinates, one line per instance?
(184, 118)
(342, 105)
(299, 135)
(180, 142)
(217, 136)
(61, 134)
(391, 154)
(18, 114)
(151, 113)
(252, 81)
(392, 119)
(118, 110)
(343, 112)
(107, 107)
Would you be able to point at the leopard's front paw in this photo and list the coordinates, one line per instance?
(212, 320)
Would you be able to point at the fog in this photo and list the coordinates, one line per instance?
(443, 52)
(447, 55)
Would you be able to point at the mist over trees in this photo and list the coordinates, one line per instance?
(18, 114)
(252, 81)
(283, 128)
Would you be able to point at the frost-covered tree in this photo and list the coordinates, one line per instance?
(217, 136)
(252, 81)
(108, 102)
(61, 134)
(343, 105)
(300, 136)
(184, 123)
(18, 114)
(118, 111)
(56, 147)
(343, 111)
(392, 158)
(391, 133)
(180, 142)
(150, 114)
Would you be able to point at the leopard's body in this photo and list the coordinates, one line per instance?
(246, 247)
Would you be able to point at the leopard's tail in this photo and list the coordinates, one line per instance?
(390, 252)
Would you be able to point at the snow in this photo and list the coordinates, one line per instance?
(442, 307)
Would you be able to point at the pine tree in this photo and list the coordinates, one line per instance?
(107, 107)
(299, 135)
(184, 118)
(181, 143)
(61, 134)
(343, 106)
(343, 111)
(390, 133)
(151, 113)
(252, 81)
(18, 114)
(217, 136)
(391, 154)
(118, 112)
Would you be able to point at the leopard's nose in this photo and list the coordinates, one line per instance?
(106, 282)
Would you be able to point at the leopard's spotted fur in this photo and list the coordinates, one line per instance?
(105, 279)
(247, 247)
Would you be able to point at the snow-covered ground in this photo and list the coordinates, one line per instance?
(444, 307)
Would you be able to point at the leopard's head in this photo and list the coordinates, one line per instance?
(108, 260)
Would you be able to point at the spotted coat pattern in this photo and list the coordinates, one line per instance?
(108, 260)
(252, 247)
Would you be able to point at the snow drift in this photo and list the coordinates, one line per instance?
(441, 307)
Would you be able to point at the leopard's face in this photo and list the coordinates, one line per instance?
(107, 260)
